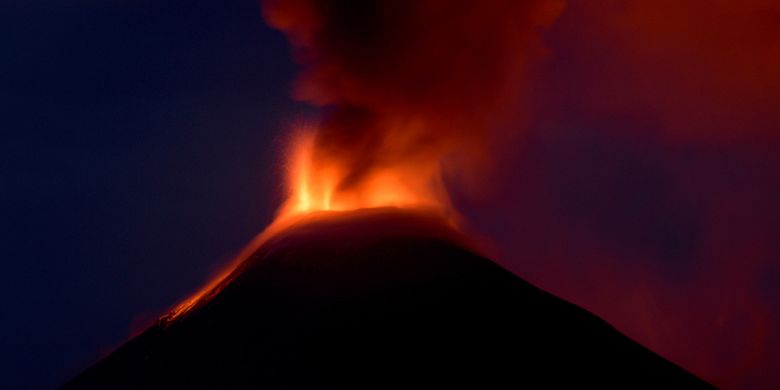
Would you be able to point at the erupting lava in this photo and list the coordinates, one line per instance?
(313, 185)
(401, 96)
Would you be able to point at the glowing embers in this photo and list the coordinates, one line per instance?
(317, 182)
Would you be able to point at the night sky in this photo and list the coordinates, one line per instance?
(140, 147)
(138, 152)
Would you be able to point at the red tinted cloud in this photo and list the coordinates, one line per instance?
(647, 187)
(703, 69)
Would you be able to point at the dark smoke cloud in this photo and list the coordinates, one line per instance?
(409, 81)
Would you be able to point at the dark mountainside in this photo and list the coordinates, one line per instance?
(376, 299)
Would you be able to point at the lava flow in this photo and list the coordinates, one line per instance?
(313, 194)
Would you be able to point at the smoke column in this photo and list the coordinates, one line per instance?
(405, 85)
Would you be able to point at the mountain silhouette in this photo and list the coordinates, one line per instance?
(378, 299)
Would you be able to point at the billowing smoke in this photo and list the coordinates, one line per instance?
(406, 83)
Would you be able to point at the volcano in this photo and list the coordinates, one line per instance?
(379, 298)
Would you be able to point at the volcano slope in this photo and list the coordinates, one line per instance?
(379, 298)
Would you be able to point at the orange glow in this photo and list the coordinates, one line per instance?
(223, 277)
(312, 183)
(401, 97)
(312, 189)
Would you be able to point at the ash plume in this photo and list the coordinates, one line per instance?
(405, 84)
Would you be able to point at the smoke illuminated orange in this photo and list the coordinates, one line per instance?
(313, 184)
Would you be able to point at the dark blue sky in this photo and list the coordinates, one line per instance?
(138, 142)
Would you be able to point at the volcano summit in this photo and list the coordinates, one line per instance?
(379, 298)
